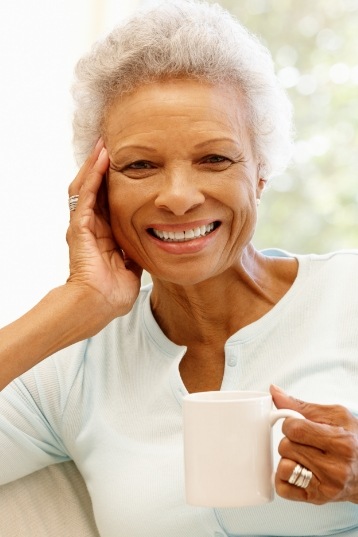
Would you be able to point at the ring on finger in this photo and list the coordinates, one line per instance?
(300, 477)
(72, 202)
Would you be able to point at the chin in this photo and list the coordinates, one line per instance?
(183, 277)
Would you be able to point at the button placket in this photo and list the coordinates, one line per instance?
(231, 357)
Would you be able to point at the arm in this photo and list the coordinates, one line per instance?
(101, 286)
(326, 443)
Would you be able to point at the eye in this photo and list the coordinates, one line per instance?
(139, 165)
(216, 163)
(138, 169)
(215, 159)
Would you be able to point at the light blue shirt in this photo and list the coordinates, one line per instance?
(113, 404)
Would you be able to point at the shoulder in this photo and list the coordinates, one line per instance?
(67, 371)
(337, 264)
(329, 280)
(324, 278)
(341, 259)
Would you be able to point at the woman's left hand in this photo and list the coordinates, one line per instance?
(326, 443)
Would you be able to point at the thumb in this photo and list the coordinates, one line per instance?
(328, 414)
(282, 399)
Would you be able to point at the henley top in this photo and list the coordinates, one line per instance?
(113, 404)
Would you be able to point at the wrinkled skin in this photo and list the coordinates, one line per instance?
(327, 444)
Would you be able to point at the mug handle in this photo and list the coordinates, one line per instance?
(283, 413)
(276, 415)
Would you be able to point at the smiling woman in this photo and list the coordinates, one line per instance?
(191, 176)
(180, 122)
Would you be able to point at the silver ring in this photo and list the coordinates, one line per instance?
(72, 202)
(300, 477)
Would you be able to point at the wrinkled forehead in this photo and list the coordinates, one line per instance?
(187, 105)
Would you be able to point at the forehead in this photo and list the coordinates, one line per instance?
(181, 105)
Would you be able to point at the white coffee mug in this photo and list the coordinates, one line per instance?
(228, 447)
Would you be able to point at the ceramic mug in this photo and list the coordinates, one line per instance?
(228, 447)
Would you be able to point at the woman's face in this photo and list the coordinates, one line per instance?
(183, 179)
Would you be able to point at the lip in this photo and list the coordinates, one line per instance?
(187, 247)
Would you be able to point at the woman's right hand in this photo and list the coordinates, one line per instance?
(102, 284)
(98, 267)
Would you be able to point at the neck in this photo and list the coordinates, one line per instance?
(213, 310)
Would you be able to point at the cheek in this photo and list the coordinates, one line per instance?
(120, 196)
(125, 202)
(116, 207)
(240, 197)
(119, 213)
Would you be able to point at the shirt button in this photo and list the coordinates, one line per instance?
(232, 362)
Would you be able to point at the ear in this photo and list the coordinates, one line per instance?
(260, 187)
(261, 181)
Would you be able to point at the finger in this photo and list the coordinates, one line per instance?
(309, 433)
(102, 201)
(325, 438)
(293, 492)
(76, 184)
(321, 464)
(328, 414)
(321, 489)
(91, 184)
(285, 471)
(334, 469)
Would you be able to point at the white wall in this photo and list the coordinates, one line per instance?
(40, 42)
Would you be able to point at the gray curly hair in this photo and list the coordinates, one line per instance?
(184, 38)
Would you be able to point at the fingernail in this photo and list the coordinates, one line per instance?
(99, 143)
(103, 154)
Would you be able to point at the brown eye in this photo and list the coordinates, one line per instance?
(215, 163)
(140, 165)
(139, 169)
(215, 159)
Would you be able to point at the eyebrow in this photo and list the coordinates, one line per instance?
(134, 146)
(214, 140)
(153, 149)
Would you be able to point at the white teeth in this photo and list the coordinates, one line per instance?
(181, 236)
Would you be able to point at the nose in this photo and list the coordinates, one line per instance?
(179, 193)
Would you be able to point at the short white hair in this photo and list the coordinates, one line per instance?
(188, 39)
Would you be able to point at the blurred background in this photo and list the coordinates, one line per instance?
(312, 207)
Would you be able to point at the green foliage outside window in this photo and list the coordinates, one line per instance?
(313, 206)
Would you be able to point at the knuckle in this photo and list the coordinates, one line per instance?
(345, 475)
(72, 230)
(317, 500)
(348, 445)
(343, 413)
(332, 492)
(338, 415)
(284, 447)
(293, 428)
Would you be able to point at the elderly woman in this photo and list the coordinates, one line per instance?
(181, 121)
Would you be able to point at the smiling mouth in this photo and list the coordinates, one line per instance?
(184, 236)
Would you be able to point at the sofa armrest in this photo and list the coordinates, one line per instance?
(52, 502)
